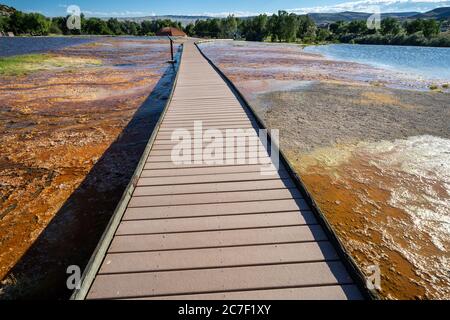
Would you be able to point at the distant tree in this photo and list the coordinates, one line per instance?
(260, 27)
(430, 28)
(74, 31)
(35, 24)
(213, 27)
(114, 26)
(4, 23)
(131, 28)
(256, 28)
(284, 26)
(200, 28)
(190, 29)
(307, 29)
(59, 24)
(228, 27)
(274, 28)
(16, 22)
(148, 27)
(358, 27)
(209, 28)
(390, 26)
(289, 26)
(96, 26)
(323, 34)
(413, 26)
(338, 28)
(54, 27)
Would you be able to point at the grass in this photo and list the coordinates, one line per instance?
(25, 64)
(445, 85)
(18, 65)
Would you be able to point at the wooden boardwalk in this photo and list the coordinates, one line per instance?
(216, 231)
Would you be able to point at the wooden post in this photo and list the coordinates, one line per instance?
(171, 51)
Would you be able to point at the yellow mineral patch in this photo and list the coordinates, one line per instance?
(378, 98)
(22, 65)
(327, 157)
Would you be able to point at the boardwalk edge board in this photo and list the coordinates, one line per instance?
(347, 259)
(99, 254)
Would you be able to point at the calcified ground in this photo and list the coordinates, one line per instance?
(372, 146)
(70, 139)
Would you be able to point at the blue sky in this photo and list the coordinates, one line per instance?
(135, 8)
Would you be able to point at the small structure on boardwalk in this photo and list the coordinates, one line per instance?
(10, 34)
(171, 32)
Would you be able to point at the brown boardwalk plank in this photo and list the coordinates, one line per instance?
(217, 230)
(213, 197)
(218, 238)
(218, 257)
(198, 171)
(225, 177)
(342, 292)
(219, 279)
(214, 187)
(212, 209)
(149, 226)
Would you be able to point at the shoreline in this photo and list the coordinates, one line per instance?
(308, 68)
(391, 67)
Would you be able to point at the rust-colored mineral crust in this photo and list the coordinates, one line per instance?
(70, 138)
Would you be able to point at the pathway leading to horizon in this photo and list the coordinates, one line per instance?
(203, 231)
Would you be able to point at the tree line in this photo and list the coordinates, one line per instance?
(36, 24)
(418, 32)
(284, 26)
(289, 27)
(281, 27)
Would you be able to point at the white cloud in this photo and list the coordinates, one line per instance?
(226, 14)
(357, 6)
(383, 5)
(34, 11)
(115, 14)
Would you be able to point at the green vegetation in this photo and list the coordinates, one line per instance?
(18, 65)
(4, 23)
(282, 27)
(417, 32)
(433, 87)
(289, 27)
(25, 64)
(30, 23)
(38, 25)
